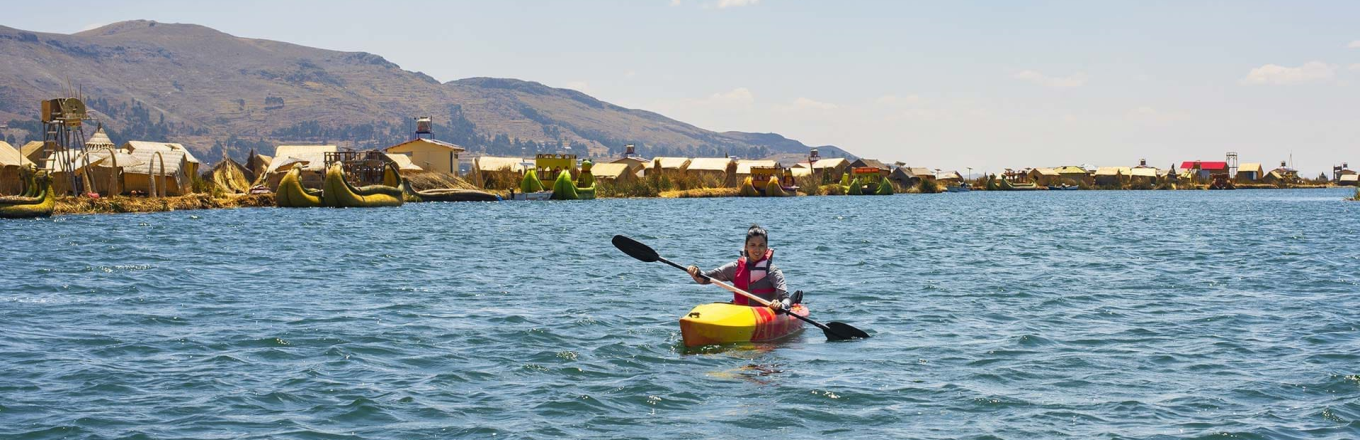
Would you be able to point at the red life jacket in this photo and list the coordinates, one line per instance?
(757, 272)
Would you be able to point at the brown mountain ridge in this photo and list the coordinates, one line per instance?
(218, 93)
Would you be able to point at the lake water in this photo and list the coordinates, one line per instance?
(1083, 314)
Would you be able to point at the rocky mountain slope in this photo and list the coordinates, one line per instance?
(219, 93)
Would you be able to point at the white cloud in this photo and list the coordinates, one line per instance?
(723, 4)
(738, 96)
(630, 74)
(809, 104)
(675, 2)
(1277, 74)
(917, 115)
(1057, 82)
(735, 109)
(92, 26)
(1354, 44)
(1355, 67)
(894, 100)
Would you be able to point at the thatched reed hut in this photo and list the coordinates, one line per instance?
(713, 172)
(1144, 175)
(1074, 175)
(634, 163)
(1250, 172)
(11, 160)
(830, 170)
(1111, 176)
(256, 164)
(229, 176)
(907, 177)
(498, 172)
(883, 169)
(158, 172)
(191, 163)
(949, 177)
(33, 151)
(106, 169)
(667, 166)
(614, 172)
(1044, 176)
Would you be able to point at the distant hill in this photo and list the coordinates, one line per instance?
(218, 93)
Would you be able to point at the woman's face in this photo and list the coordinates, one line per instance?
(755, 247)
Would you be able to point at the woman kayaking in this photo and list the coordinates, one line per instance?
(753, 272)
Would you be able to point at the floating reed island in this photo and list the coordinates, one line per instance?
(142, 176)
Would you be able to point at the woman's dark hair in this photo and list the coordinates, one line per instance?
(757, 231)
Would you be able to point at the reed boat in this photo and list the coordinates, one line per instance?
(291, 193)
(37, 200)
(338, 193)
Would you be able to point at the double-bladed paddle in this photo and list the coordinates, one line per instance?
(835, 331)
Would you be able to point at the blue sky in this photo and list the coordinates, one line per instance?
(941, 84)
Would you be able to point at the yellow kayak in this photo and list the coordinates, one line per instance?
(721, 323)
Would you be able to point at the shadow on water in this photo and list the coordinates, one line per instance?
(757, 369)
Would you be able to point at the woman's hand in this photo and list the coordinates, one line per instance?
(694, 273)
(776, 305)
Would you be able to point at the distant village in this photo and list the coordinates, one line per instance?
(128, 169)
(96, 167)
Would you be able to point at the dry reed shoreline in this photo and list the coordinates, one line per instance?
(69, 205)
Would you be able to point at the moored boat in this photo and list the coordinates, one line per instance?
(37, 200)
(291, 193)
(722, 323)
(339, 193)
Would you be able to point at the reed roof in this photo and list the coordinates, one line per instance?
(10, 157)
(869, 163)
(744, 166)
(1144, 172)
(283, 151)
(672, 163)
(834, 162)
(709, 164)
(610, 170)
(1112, 171)
(494, 163)
(100, 140)
(161, 146)
(918, 172)
(403, 162)
(32, 150)
(174, 160)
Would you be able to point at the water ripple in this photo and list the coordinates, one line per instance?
(995, 315)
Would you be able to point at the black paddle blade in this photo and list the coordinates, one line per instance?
(840, 331)
(635, 249)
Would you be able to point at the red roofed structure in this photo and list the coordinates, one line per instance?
(1204, 169)
(1202, 165)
